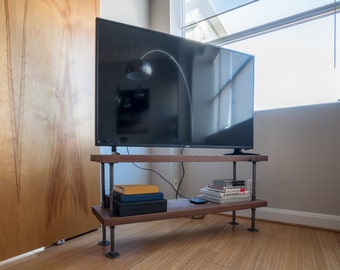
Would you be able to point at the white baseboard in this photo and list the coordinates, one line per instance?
(330, 222)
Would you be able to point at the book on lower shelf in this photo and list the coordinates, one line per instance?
(225, 191)
(136, 189)
(138, 199)
(222, 200)
(228, 182)
(132, 198)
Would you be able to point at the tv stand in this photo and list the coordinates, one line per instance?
(114, 150)
(176, 208)
(238, 152)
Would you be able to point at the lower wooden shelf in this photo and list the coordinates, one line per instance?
(176, 208)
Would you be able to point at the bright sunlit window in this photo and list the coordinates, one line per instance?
(295, 65)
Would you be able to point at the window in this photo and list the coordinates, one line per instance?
(294, 65)
(202, 18)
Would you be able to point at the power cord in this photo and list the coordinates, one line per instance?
(167, 181)
(162, 177)
(181, 180)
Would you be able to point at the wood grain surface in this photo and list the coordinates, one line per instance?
(47, 182)
(186, 243)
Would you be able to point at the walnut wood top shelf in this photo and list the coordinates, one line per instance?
(176, 208)
(176, 158)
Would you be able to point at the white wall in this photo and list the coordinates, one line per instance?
(135, 12)
(301, 180)
(303, 144)
(160, 16)
(165, 16)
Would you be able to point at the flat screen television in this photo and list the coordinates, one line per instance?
(159, 90)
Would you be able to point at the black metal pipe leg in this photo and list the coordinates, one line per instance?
(112, 253)
(104, 242)
(252, 228)
(233, 222)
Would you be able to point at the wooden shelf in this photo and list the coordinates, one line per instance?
(176, 208)
(176, 158)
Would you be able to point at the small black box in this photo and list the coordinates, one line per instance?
(139, 208)
(132, 198)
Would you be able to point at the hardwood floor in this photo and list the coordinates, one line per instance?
(186, 243)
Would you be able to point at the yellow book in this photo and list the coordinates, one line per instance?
(136, 189)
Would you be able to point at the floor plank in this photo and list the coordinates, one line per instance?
(187, 243)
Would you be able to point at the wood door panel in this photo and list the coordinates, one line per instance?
(47, 184)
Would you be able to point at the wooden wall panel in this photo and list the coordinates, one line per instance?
(47, 182)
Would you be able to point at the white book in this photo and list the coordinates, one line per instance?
(232, 199)
(223, 194)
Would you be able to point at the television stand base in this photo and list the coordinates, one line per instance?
(238, 152)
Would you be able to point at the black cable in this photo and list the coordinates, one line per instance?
(162, 177)
(183, 174)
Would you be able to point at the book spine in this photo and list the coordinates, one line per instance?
(132, 190)
(119, 189)
(228, 183)
(228, 199)
(223, 194)
(226, 190)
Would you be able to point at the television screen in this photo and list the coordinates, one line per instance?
(159, 90)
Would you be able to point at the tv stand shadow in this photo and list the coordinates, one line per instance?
(175, 208)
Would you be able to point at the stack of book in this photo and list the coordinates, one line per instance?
(137, 200)
(225, 191)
